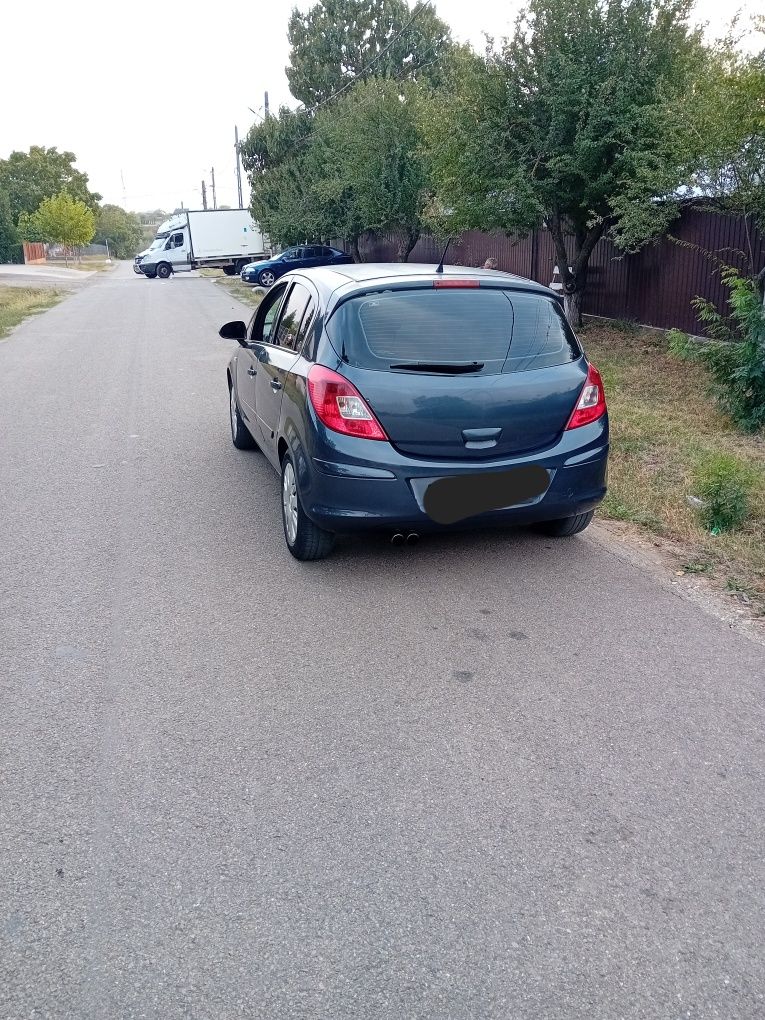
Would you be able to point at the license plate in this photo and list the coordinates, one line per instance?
(457, 497)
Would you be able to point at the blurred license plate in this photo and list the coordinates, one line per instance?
(457, 497)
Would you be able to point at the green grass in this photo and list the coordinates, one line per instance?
(16, 303)
(249, 295)
(667, 434)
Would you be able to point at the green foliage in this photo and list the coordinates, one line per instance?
(727, 113)
(29, 177)
(356, 165)
(570, 123)
(121, 229)
(10, 247)
(64, 220)
(274, 156)
(336, 40)
(366, 162)
(724, 485)
(735, 353)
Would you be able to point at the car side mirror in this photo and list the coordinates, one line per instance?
(234, 331)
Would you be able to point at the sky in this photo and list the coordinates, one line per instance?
(147, 97)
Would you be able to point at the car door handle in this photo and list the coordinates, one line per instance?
(252, 371)
(275, 384)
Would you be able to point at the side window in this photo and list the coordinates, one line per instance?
(306, 324)
(327, 253)
(266, 316)
(177, 240)
(289, 322)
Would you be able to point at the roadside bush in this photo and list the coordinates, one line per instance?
(734, 353)
(724, 485)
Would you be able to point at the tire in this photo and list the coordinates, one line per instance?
(240, 266)
(164, 271)
(305, 540)
(240, 434)
(567, 526)
(229, 270)
(266, 278)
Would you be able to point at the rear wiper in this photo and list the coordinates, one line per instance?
(440, 366)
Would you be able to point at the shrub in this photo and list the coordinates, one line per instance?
(724, 485)
(735, 352)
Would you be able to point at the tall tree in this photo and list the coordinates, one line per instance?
(29, 177)
(726, 116)
(10, 247)
(336, 41)
(64, 220)
(274, 156)
(367, 164)
(121, 229)
(570, 124)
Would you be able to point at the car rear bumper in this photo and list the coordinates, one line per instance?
(344, 496)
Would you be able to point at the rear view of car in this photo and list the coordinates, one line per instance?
(439, 401)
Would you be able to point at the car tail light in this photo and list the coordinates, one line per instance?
(340, 406)
(592, 401)
(456, 283)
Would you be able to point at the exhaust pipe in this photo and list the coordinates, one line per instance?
(412, 538)
(397, 538)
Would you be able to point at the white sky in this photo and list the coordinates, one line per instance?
(151, 92)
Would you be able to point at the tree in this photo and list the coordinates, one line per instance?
(570, 124)
(64, 220)
(121, 229)
(334, 43)
(367, 165)
(274, 156)
(29, 177)
(10, 248)
(726, 118)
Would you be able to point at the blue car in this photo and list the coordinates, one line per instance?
(267, 272)
(406, 399)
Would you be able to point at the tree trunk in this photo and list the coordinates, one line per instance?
(572, 304)
(354, 246)
(407, 243)
(574, 280)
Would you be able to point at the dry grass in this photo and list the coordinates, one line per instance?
(664, 428)
(248, 295)
(87, 265)
(16, 303)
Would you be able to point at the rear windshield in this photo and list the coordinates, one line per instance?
(506, 331)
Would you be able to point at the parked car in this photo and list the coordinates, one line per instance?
(268, 271)
(398, 398)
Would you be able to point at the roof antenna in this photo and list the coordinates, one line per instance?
(440, 268)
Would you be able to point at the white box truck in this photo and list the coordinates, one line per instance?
(224, 239)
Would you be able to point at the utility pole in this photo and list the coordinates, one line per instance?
(212, 172)
(238, 166)
(266, 106)
(204, 195)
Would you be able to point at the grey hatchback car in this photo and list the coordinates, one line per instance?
(406, 399)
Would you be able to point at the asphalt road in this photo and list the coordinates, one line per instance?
(493, 776)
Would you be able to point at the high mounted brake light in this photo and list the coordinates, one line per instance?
(592, 401)
(340, 406)
(455, 283)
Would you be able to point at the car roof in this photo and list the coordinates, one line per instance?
(340, 282)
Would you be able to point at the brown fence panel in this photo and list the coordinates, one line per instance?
(655, 287)
(34, 252)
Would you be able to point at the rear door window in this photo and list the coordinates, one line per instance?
(506, 331)
(288, 328)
